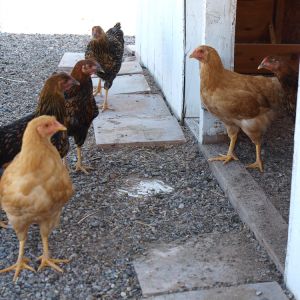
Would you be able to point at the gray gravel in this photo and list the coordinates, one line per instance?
(104, 244)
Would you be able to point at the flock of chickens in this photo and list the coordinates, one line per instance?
(36, 184)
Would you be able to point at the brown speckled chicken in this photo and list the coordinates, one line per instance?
(107, 49)
(81, 108)
(241, 102)
(51, 102)
(287, 74)
(34, 188)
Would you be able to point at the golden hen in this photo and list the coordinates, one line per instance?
(34, 189)
(240, 101)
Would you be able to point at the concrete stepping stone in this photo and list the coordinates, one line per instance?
(127, 84)
(135, 105)
(227, 259)
(69, 60)
(138, 119)
(131, 49)
(257, 291)
(137, 131)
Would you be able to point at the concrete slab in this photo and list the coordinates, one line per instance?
(251, 203)
(227, 259)
(137, 131)
(69, 60)
(127, 84)
(130, 67)
(131, 49)
(258, 291)
(147, 105)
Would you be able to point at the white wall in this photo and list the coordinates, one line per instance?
(195, 22)
(292, 265)
(160, 46)
(66, 16)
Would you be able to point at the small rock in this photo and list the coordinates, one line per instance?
(181, 206)
(123, 294)
(258, 293)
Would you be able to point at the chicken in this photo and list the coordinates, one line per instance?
(282, 67)
(107, 49)
(34, 188)
(241, 101)
(51, 102)
(81, 106)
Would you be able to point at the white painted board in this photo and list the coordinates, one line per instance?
(160, 46)
(292, 265)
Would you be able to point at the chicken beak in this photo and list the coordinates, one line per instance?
(192, 55)
(261, 66)
(59, 126)
(99, 68)
(75, 82)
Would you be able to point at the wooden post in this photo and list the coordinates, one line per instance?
(219, 32)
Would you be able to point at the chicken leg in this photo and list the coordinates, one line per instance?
(98, 89)
(79, 166)
(45, 259)
(258, 163)
(20, 264)
(105, 106)
(230, 155)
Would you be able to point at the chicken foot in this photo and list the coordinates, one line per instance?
(230, 155)
(98, 89)
(79, 166)
(105, 106)
(45, 259)
(258, 163)
(21, 263)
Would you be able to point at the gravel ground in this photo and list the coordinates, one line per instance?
(116, 229)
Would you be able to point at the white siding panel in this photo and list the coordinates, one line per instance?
(160, 46)
(292, 266)
(195, 24)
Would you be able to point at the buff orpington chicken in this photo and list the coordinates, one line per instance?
(34, 188)
(241, 102)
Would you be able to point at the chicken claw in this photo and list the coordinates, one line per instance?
(80, 167)
(20, 265)
(256, 165)
(226, 158)
(105, 107)
(51, 262)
